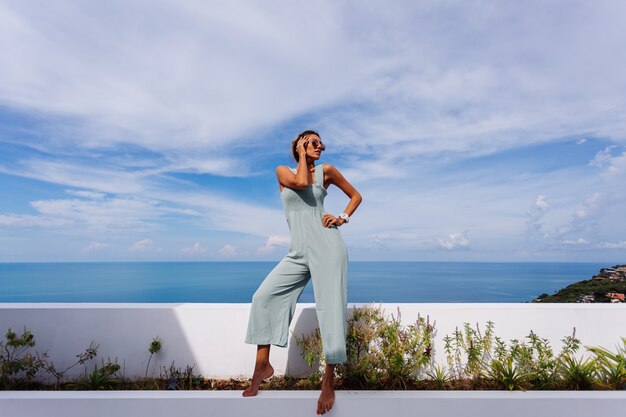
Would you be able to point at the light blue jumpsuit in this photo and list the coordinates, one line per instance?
(316, 252)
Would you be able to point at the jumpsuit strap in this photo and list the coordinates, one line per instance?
(319, 175)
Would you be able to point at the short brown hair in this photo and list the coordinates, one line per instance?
(301, 135)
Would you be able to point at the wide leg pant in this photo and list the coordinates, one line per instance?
(274, 302)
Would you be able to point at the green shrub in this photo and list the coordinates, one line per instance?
(578, 374)
(380, 352)
(611, 367)
(18, 365)
(468, 351)
(521, 365)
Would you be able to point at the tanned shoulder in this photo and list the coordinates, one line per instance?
(330, 170)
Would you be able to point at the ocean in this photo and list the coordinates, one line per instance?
(235, 282)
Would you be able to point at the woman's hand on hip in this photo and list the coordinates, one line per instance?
(329, 220)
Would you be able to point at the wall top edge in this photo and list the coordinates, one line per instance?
(308, 394)
(385, 306)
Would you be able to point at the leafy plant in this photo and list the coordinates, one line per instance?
(17, 362)
(89, 353)
(508, 374)
(155, 346)
(380, 352)
(403, 351)
(439, 376)
(181, 379)
(98, 379)
(312, 354)
(611, 367)
(361, 340)
(468, 351)
(536, 359)
(578, 374)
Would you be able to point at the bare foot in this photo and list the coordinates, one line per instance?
(261, 371)
(326, 400)
(327, 397)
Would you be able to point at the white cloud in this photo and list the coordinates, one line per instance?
(603, 157)
(613, 245)
(586, 214)
(612, 166)
(28, 222)
(579, 241)
(583, 220)
(86, 194)
(115, 215)
(142, 245)
(535, 232)
(541, 204)
(195, 249)
(153, 198)
(272, 242)
(227, 251)
(456, 240)
(96, 246)
(97, 179)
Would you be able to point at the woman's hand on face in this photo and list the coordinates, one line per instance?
(328, 220)
(301, 146)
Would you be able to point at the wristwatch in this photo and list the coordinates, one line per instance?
(345, 217)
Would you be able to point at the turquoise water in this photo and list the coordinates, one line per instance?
(235, 282)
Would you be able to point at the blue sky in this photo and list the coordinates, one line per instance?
(478, 131)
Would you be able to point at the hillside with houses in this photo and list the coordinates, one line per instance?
(608, 286)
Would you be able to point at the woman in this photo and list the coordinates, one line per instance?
(317, 251)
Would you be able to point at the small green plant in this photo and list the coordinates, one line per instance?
(611, 375)
(508, 375)
(536, 359)
(312, 354)
(89, 353)
(468, 351)
(403, 351)
(439, 376)
(579, 374)
(611, 367)
(181, 379)
(155, 346)
(100, 378)
(363, 331)
(18, 365)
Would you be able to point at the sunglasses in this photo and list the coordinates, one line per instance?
(315, 143)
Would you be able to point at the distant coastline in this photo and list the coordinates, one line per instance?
(608, 286)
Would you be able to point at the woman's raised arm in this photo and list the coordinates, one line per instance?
(300, 179)
(335, 177)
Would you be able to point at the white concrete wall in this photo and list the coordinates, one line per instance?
(210, 336)
(304, 403)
